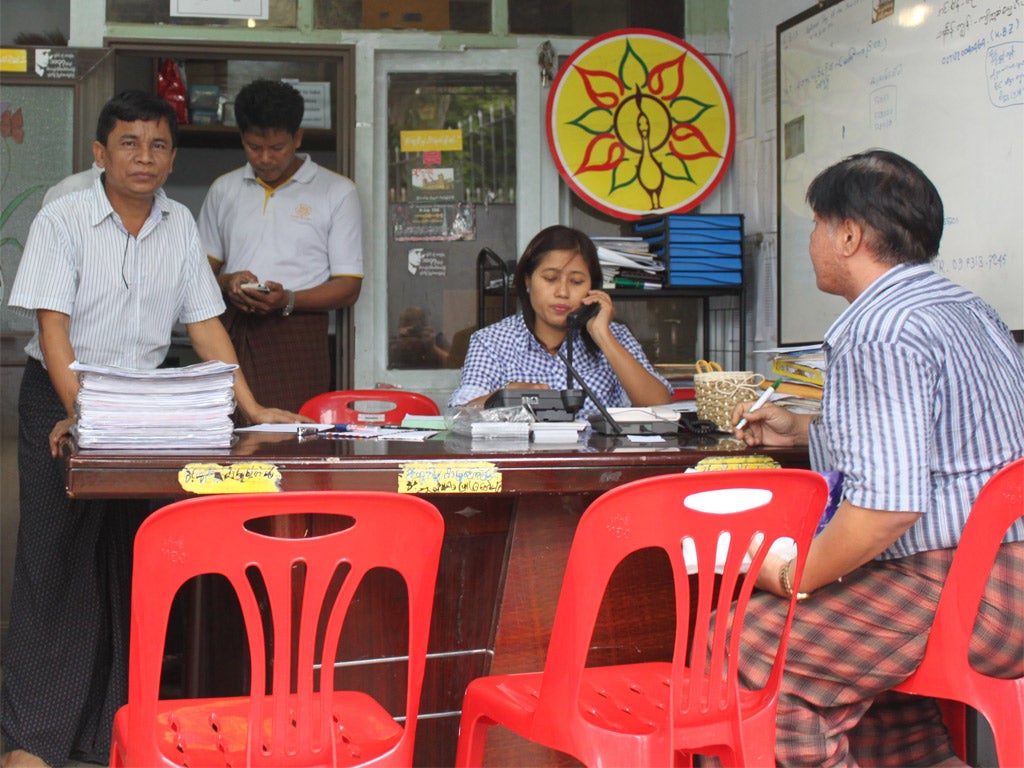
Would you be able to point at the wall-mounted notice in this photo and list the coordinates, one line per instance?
(938, 81)
(222, 9)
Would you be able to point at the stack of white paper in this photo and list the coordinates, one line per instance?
(516, 430)
(629, 267)
(186, 407)
(557, 431)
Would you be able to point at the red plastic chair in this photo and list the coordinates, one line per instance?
(658, 713)
(363, 406)
(293, 607)
(945, 672)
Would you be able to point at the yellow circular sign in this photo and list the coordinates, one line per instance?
(640, 124)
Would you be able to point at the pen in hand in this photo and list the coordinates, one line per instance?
(764, 398)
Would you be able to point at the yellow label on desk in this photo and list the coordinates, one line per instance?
(243, 477)
(449, 477)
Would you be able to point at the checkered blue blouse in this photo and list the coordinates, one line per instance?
(507, 352)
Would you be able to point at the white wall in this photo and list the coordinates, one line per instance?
(752, 45)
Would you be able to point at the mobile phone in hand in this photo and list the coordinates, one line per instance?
(255, 287)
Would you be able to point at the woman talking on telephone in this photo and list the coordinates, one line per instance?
(555, 277)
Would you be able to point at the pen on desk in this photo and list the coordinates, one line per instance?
(764, 398)
(367, 425)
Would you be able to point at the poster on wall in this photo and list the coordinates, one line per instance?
(425, 262)
(415, 221)
(55, 63)
(639, 124)
(429, 184)
(222, 9)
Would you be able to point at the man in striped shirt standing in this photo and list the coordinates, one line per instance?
(923, 403)
(106, 273)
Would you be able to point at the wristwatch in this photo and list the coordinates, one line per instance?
(290, 306)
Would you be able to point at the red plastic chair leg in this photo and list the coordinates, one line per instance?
(954, 715)
(472, 740)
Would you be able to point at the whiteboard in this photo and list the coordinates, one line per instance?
(941, 82)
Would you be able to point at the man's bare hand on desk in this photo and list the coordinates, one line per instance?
(771, 425)
(60, 430)
(263, 415)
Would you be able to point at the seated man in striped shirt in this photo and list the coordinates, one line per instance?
(923, 403)
(106, 273)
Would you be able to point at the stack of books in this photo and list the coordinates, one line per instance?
(626, 262)
(802, 370)
(698, 249)
(164, 408)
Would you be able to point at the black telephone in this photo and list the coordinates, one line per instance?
(578, 317)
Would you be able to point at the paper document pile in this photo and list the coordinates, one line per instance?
(626, 262)
(186, 407)
(802, 370)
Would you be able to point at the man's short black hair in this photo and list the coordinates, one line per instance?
(268, 105)
(130, 106)
(890, 197)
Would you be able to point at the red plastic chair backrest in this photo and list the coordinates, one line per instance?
(209, 535)
(999, 504)
(662, 512)
(367, 406)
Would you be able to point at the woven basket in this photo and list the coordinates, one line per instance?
(718, 392)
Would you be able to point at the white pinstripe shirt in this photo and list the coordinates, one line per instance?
(924, 401)
(122, 293)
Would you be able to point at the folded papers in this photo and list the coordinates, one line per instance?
(120, 408)
(627, 263)
(802, 370)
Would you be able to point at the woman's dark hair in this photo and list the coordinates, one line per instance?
(555, 238)
(130, 106)
(890, 197)
(269, 104)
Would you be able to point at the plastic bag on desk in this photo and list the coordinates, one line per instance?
(170, 86)
(490, 422)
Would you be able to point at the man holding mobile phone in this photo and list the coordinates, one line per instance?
(284, 237)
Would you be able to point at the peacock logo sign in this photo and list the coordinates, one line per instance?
(639, 123)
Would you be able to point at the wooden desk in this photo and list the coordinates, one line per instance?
(501, 565)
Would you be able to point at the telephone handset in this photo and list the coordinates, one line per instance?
(579, 316)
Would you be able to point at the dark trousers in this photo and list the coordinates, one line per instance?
(65, 656)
